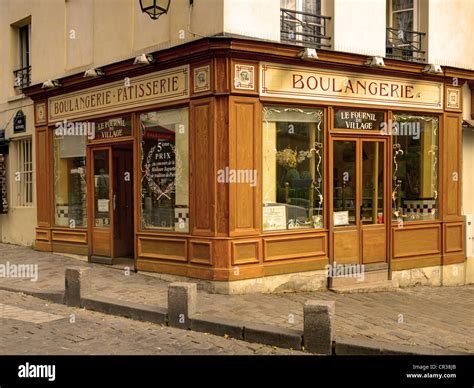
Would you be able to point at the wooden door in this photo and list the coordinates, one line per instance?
(122, 200)
(358, 200)
(101, 215)
(373, 201)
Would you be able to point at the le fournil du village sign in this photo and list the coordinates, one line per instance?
(314, 84)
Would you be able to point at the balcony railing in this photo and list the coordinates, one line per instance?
(22, 77)
(404, 44)
(305, 29)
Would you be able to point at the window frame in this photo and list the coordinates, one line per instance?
(324, 160)
(415, 10)
(139, 137)
(19, 167)
(438, 215)
(24, 46)
(53, 191)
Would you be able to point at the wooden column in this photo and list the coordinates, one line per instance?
(451, 189)
(44, 191)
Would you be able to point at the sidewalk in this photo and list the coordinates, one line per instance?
(432, 317)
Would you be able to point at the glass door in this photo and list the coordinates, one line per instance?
(102, 213)
(372, 204)
(358, 200)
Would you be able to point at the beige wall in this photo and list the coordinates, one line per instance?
(253, 18)
(451, 33)
(358, 26)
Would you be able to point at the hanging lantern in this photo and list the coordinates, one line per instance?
(155, 8)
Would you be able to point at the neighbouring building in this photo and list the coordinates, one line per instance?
(249, 144)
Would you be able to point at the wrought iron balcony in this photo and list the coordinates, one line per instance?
(404, 44)
(22, 77)
(305, 29)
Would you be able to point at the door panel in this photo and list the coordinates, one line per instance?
(345, 183)
(374, 242)
(372, 202)
(346, 246)
(123, 201)
(102, 214)
(345, 217)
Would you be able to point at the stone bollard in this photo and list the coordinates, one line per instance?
(77, 283)
(319, 326)
(182, 299)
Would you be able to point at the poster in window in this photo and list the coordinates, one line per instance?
(274, 217)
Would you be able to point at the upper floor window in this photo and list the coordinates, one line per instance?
(23, 72)
(306, 6)
(302, 23)
(404, 38)
(402, 15)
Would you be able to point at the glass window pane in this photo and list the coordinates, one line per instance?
(292, 168)
(101, 188)
(372, 183)
(401, 4)
(345, 183)
(165, 170)
(415, 167)
(403, 21)
(70, 189)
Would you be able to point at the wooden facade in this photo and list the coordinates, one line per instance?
(226, 240)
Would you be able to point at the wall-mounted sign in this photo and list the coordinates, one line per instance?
(165, 85)
(358, 119)
(19, 122)
(3, 186)
(314, 84)
(113, 128)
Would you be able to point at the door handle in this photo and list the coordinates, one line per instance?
(114, 201)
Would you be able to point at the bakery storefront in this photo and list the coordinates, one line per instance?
(249, 163)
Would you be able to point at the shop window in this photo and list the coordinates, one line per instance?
(23, 173)
(165, 170)
(292, 168)
(70, 189)
(415, 167)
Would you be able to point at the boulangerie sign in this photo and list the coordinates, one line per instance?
(316, 84)
(166, 85)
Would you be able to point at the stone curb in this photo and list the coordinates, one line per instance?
(265, 334)
(139, 312)
(368, 347)
(218, 326)
(54, 296)
(273, 336)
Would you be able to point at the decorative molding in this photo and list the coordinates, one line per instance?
(41, 117)
(244, 77)
(201, 79)
(453, 99)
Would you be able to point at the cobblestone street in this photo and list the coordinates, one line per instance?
(435, 317)
(64, 330)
